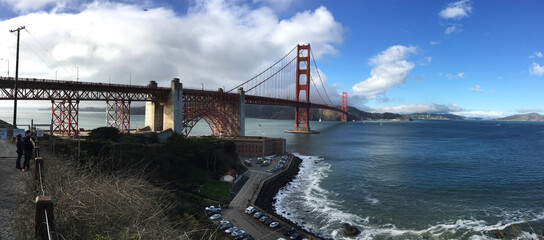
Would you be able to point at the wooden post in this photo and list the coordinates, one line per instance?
(44, 205)
(36, 150)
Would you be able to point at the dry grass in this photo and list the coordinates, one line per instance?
(91, 204)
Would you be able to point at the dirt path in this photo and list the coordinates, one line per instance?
(11, 185)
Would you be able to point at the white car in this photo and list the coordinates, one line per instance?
(250, 210)
(274, 224)
(231, 230)
(239, 232)
(216, 216)
(212, 209)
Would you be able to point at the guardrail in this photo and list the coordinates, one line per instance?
(44, 218)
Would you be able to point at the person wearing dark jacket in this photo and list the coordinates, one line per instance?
(28, 147)
(19, 151)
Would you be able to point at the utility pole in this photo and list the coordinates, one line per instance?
(18, 30)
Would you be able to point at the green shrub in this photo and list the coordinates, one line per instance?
(104, 133)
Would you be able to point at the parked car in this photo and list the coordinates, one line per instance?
(282, 239)
(225, 226)
(274, 224)
(268, 221)
(288, 232)
(258, 215)
(250, 210)
(212, 208)
(295, 236)
(263, 219)
(231, 230)
(242, 236)
(216, 216)
(237, 233)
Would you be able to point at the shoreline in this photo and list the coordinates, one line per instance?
(270, 188)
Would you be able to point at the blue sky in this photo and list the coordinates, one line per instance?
(474, 58)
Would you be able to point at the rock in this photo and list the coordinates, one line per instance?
(350, 231)
(500, 234)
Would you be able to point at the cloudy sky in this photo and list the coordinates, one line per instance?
(474, 58)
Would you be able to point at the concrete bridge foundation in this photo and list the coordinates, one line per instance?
(164, 115)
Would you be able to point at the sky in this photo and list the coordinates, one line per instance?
(473, 58)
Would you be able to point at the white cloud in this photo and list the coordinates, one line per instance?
(536, 69)
(433, 43)
(481, 114)
(452, 76)
(450, 29)
(390, 68)
(31, 5)
(537, 54)
(476, 89)
(420, 108)
(218, 43)
(457, 10)
(529, 110)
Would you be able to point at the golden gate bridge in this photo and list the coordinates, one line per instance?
(287, 83)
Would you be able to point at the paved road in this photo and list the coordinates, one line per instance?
(235, 213)
(11, 185)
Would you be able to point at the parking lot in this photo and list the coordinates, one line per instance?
(236, 215)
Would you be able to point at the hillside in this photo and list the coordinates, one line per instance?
(435, 116)
(285, 112)
(523, 117)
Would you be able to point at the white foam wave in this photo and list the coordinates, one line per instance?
(304, 198)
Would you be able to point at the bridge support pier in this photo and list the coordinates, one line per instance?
(65, 116)
(118, 115)
(164, 115)
(344, 106)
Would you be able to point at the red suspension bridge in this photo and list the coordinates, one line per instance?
(180, 109)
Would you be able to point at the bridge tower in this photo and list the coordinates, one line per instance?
(302, 94)
(344, 106)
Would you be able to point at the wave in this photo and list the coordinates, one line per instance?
(313, 208)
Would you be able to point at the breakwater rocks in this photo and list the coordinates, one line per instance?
(271, 186)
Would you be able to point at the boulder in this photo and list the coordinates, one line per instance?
(350, 230)
(500, 235)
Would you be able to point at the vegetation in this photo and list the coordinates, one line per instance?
(130, 187)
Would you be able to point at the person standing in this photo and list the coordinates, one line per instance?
(19, 151)
(28, 147)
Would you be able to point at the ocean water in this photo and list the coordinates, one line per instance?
(420, 179)
(402, 180)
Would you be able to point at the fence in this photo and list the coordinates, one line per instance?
(44, 218)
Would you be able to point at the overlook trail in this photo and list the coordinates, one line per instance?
(11, 186)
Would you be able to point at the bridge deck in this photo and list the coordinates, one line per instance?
(43, 89)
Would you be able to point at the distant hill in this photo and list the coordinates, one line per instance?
(523, 117)
(285, 112)
(436, 116)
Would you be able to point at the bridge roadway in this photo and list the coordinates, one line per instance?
(247, 196)
(44, 89)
